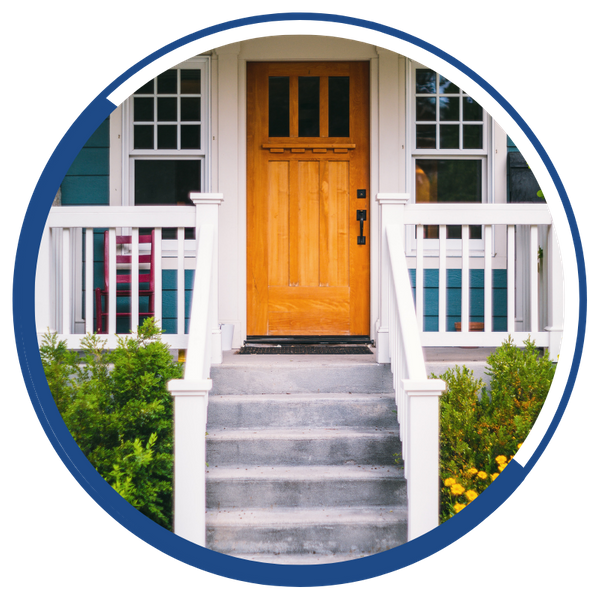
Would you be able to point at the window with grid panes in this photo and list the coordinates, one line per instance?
(450, 146)
(168, 117)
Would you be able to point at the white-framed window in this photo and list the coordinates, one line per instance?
(166, 136)
(450, 150)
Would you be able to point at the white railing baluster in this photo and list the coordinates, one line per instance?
(533, 281)
(67, 278)
(158, 276)
(443, 278)
(487, 279)
(420, 279)
(89, 280)
(465, 313)
(510, 279)
(112, 281)
(135, 279)
(180, 281)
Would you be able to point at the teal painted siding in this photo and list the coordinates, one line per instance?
(454, 298)
(86, 181)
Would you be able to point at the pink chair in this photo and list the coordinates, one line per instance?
(147, 260)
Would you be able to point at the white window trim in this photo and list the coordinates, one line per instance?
(486, 154)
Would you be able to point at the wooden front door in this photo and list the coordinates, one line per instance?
(307, 178)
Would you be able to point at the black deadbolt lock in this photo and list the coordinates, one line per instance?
(361, 193)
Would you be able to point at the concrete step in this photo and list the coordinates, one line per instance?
(297, 447)
(302, 410)
(302, 454)
(281, 375)
(304, 487)
(304, 532)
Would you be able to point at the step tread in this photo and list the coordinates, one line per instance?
(305, 396)
(308, 558)
(294, 433)
(305, 517)
(349, 472)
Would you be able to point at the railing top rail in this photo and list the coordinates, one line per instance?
(478, 214)
(415, 361)
(122, 216)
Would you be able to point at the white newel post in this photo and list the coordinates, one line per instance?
(207, 213)
(190, 398)
(391, 211)
(422, 458)
(555, 296)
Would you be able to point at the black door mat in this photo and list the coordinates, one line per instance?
(305, 349)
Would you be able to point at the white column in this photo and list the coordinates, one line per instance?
(391, 211)
(207, 212)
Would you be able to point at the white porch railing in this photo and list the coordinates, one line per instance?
(57, 286)
(64, 307)
(401, 336)
(417, 398)
(514, 239)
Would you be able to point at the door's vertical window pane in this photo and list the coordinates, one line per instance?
(308, 106)
(279, 107)
(339, 107)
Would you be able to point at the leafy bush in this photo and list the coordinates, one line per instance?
(481, 430)
(118, 409)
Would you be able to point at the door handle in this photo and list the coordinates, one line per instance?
(361, 216)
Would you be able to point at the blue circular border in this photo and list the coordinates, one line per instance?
(122, 511)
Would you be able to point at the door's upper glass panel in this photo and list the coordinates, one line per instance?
(279, 107)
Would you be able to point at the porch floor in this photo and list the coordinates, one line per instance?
(432, 355)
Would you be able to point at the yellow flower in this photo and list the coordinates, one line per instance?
(457, 489)
(471, 495)
(519, 445)
(448, 482)
(472, 471)
(482, 475)
(500, 459)
(458, 507)
(501, 468)
(494, 475)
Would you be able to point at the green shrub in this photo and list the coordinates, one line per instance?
(118, 409)
(481, 430)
